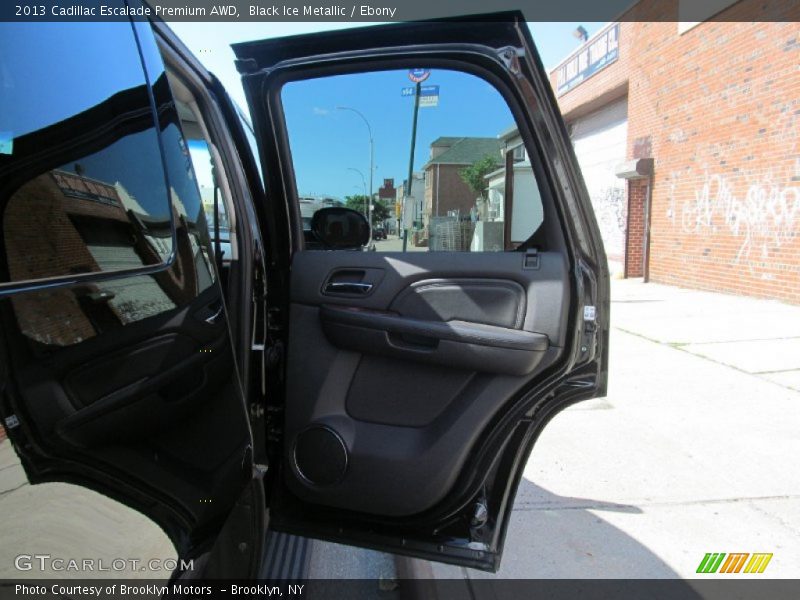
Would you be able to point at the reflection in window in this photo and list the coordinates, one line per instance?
(82, 217)
(72, 208)
(84, 189)
(209, 192)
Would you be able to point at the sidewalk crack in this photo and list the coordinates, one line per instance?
(626, 506)
(8, 491)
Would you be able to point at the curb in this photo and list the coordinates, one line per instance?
(417, 580)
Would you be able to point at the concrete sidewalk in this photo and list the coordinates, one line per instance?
(694, 450)
(760, 337)
(68, 521)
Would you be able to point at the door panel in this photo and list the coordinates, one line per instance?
(417, 382)
(351, 360)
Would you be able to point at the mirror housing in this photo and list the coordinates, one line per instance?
(339, 228)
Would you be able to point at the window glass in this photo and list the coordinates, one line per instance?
(472, 184)
(83, 186)
(209, 189)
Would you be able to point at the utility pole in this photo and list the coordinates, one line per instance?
(411, 165)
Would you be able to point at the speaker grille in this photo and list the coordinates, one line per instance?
(320, 455)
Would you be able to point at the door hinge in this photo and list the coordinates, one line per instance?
(12, 422)
(480, 516)
(531, 258)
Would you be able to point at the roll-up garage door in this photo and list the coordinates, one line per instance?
(600, 140)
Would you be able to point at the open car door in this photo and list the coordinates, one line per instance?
(416, 382)
(116, 363)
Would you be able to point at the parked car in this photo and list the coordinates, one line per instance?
(201, 394)
(378, 233)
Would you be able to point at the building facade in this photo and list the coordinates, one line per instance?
(404, 217)
(387, 191)
(446, 192)
(687, 135)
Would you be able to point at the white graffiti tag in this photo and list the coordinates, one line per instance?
(765, 218)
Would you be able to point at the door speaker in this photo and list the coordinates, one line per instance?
(320, 455)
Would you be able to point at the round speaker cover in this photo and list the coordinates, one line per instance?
(320, 455)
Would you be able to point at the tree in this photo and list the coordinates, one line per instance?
(357, 202)
(380, 212)
(475, 174)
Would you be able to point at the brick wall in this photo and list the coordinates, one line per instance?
(2, 433)
(634, 243)
(387, 191)
(453, 193)
(41, 241)
(718, 108)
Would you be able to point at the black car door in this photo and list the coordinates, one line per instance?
(416, 382)
(117, 369)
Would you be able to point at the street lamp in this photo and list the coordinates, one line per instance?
(581, 33)
(371, 156)
(367, 200)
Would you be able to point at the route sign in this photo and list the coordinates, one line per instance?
(419, 75)
(428, 94)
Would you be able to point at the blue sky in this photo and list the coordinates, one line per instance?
(328, 143)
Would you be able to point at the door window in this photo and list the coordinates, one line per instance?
(472, 186)
(101, 207)
(84, 189)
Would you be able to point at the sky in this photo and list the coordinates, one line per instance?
(329, 146)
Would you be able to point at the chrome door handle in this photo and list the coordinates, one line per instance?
(213, 319)
(347, 287)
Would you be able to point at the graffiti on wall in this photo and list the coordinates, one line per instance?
(611, 210)
(762, 217)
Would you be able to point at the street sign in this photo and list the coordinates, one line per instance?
(428, 95)
(418, 75)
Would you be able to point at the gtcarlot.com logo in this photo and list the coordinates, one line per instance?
(46, 562)
(735, 562)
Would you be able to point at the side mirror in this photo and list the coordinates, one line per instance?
(339, 228)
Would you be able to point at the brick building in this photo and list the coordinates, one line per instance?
(63, 223)
(386, 191)
(445, 190)
(694, 127)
